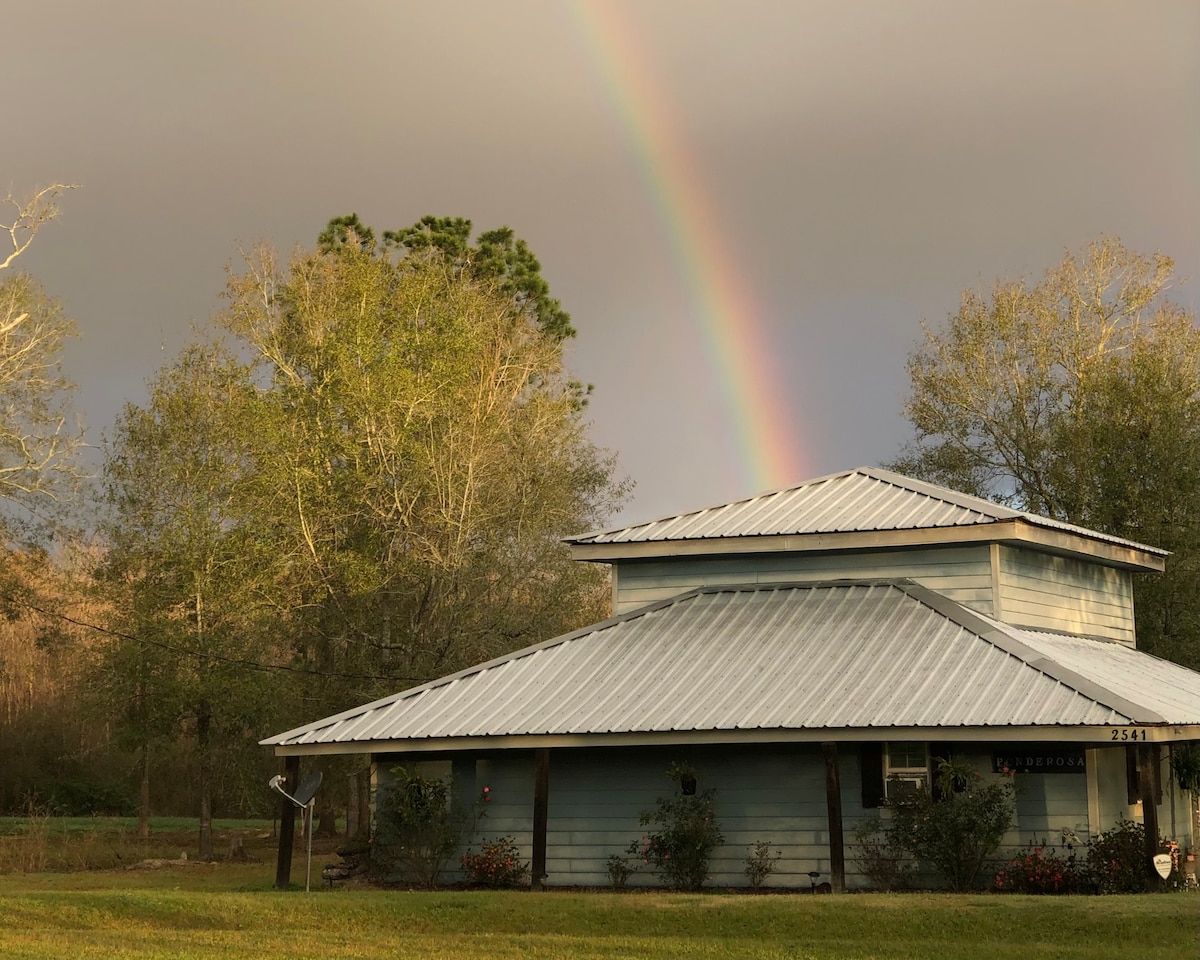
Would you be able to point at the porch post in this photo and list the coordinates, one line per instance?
(1148, 774)
(541, 798)
(833, 800)
(287, 825)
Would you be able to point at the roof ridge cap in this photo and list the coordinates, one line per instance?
(713, 506)
(968, 501)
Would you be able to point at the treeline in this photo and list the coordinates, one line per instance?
(355, 480)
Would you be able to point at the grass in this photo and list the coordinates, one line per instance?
(230, 911)
(36, 843)
(15, 826)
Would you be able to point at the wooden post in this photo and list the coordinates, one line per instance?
(1147, 757)
(287, 825)
(352, 806)
(541, 798)
(833, 800)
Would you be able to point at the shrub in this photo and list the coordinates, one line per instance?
(760, 864)
(420, 826)
(1042, 870)
(497, 864)
(956, 830)
(619, 871)
(880, 858)
(687, 834)
(84, 797)
(1117, 860)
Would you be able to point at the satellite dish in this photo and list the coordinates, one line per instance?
(308, 788)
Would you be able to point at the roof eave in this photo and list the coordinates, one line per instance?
(1091, 734)
(1016, 531)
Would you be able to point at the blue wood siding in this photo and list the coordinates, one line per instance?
(961, 573)
(1046, 592)
(772, 793)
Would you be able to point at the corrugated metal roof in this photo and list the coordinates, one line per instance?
(1158, 684)
(832, 655)
(863, 500)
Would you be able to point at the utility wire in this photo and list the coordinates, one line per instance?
(184, 652)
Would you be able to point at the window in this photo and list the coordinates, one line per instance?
(905, 769)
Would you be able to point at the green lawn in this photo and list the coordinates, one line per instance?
(226, 911)
(13, 826)
(34, 844)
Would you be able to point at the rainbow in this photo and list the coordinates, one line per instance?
(735, 338)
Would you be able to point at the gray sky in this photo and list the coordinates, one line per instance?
(861, 164)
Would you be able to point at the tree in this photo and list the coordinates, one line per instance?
(185, 566)
(425, 452)
(361, 483)
(1077, 397)
(499, 256)
(38, 469)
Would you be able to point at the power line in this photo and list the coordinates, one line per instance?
(184, 652)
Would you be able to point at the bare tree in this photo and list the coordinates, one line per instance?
(28, 217)
(38, 445)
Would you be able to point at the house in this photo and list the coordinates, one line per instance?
(808, 651)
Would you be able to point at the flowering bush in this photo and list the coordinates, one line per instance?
(1116, 863)
(1042, 870)
(1117, 860)
(687, 834)
(497, 864)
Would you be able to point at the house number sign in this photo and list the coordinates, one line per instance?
(1128, 734)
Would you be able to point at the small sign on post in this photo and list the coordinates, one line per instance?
(1163, 864)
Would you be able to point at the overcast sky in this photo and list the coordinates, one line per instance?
(861, 163)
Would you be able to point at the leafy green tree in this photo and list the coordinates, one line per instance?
(498, 256)
(1077, 397)
(423, 451)
(185, 567)
(364, 486)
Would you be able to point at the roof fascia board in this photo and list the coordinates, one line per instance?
(1016, 531)
(998, 637)
(1090, 734)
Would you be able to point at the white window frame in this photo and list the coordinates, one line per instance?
(900, 780)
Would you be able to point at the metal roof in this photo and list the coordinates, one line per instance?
(864, 500)
(843, 654)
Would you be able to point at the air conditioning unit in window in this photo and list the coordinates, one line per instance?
(900, 787)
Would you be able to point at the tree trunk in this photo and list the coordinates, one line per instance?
(144, 796)
(364, 802)
(326, 821)
(352, 824)
(203, 725)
